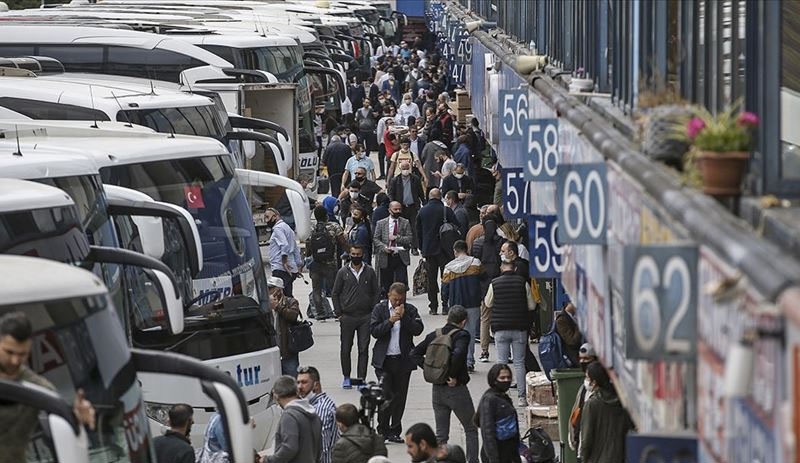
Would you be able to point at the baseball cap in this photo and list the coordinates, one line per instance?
(587, 350)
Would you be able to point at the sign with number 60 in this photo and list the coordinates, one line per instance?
(545, 248)
(581, 203)
(660, 302)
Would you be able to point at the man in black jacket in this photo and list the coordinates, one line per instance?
(407, 190)
(175, 446)
(454, 395)
(429, 221)
(394, 325)
(355, 291)
(335, 158)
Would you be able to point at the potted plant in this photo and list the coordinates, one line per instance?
(721, 148)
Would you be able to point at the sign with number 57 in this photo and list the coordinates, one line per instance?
(545, 248)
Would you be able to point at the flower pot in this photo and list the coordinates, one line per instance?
(722, 172)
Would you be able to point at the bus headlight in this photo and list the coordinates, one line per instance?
(157, 412)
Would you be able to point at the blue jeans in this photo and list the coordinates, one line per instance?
(517, 340)
(473, 327)
(289, 364)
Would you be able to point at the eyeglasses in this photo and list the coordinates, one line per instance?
(303, 369)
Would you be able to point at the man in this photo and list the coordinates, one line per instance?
(298, 437)
(335, 158)
(406, 109)
(354, 197)
(369, 189)
(309, 387)
(509, 299)
(421, 443)
(366, 121)
(476, 231)
(391, 234)
(429, 221)
(392, 86)
(459, 182)
(463, 155)
(175, 446)
(461, 285)
(354, 293)
(453, 396)
(415, 144)
(586, 355)
(359, 160)
(567, 328)
(448, 167)
(462, 218)
(17, 421)
(442, 129)
(509, 252)
(357, 443)
(283, 252)
(322, 248)
(407, 190)
(394, 324)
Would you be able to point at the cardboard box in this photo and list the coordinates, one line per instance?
(539, 390)
(462, 99)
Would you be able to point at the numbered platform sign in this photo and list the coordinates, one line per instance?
(457, 72)
(660, 294)
(463, 47)
(517, 193)
(581, 192)
(544, 247)
(543, 151)
(513, 114)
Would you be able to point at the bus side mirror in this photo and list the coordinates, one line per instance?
(173, 304)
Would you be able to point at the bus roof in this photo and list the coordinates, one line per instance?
(43, 162)
(237, 38)
(23, 195)
(21, 280)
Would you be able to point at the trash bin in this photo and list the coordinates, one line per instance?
(568, 381)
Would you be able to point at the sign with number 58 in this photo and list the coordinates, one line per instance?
(543, 154)
(545, 248)
(660, 293)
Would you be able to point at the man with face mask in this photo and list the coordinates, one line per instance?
(298, 437)
(459, 182)
(366, 122)
(283, 253)
(586, 356)
(353, 198)
(407, 189)
(567, 328)
(359, 160)
(392, 241)
(175, 446)
(309, 387)
(392, 86)
(407, 109)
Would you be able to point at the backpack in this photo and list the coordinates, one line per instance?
(551, 351)
(437, 358)
(321, 245)
(448, 235)
(540, 447)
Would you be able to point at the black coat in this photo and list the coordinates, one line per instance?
(173, 448)
(336, 156)
(395, 189)
(450, 183)
(493, 407)
(381, 329)
(429, 220)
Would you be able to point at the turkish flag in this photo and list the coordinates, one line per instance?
(194, 197)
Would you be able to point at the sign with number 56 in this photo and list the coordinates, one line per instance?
(660, 291)
(545, 248)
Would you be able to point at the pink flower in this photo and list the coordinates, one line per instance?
(694, 127)
(747, 119)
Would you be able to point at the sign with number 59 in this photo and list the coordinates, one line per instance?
(660, 291)
(545, 248)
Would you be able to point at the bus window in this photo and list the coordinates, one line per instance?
(75, 58)
(52, 111)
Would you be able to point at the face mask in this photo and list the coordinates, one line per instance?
(405, 172)
(407, 101)
(395, 214)
(587, 385)
(272, 222)
(504, 258)
(311, 395)
(353, 195)
(356, 260)
(584, 366)
(459, 176)
(503, 386)
(360, 178)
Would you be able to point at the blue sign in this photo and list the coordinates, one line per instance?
(543, 150)
(513, 114)
(517, 194)
(457, 72)
(463, 46)
(544, 247)
(660, 294)
(581, 203)
(661, 448)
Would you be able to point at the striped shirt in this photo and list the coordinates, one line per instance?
(326, 410)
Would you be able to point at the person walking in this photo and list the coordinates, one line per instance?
(321, 247)
(461, 286)
(287, 312)
(335, 159)
(487, 249)
(416, 144)
(298, 438)
(448, 167)
(509, 299)
(497, 419)
(406, 109)
(283, 252)
(463, 155)
(359, 160)
(174, 446)
(355, 292)
(359, 232)
(353, 198)
(309, 387)
(392, 241)
(462, 218)
(381, 211)
(421, 444)
(357, 443)
(429, 221)
(430, 160)
(407, 189)
(586, 356)
(459, 182)
(453, 396)
(604, 422)
(393, 324)
(567, 329)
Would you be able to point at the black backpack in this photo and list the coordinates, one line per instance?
(321, 245)
(539, 445)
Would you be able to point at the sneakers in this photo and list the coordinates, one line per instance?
(347, 384)
(433, 312)
(395, 439)
(471, 368)
(414, 252)
(523, 402)
(484, 358)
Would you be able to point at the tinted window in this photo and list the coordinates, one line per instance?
(150, 64)
(193, 120)
(11, 51)
(53, 111)
(75, 58)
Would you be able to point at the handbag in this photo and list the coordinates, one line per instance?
(448, 235)
(300, 337)
(421, 278)
(507, 427)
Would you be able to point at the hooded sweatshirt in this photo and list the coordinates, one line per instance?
(461, 282)
(604, 425)
(357, 445)
(298, 438)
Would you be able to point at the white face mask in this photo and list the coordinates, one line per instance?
(405, 172)
(459, 176)
(311, 395)
(587, 385)
(505, 259)
(353, 195)
(408, 102)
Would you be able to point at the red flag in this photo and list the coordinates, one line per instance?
(194, 197)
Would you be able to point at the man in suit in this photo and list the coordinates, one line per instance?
(429, 221)
(392, 232)
(407, 190)
(394, 325)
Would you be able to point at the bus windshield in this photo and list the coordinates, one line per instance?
(53, 233)
(203, 121)
(79, 344)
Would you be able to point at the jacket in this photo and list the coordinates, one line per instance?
(487, 249)
(395, 189)
(604, 425)
(429, 220)
(570, 335)
(461, 282)
(287, 312)
(494, 406)
(354, 297)
(458, 357)
(173, 448)
(464, 157)
(462, 219)
(357, 445)
(335, 157)
(361, 234)
(298, 437)
(380, 241)
(510, 298)
(463, 185)
(381, 329)
(430, 161)
(455, 454)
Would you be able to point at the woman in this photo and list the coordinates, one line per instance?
(360, 232)
(287, 311)
(497, 419)
(604, 423)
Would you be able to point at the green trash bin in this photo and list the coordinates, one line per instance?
(568, 381)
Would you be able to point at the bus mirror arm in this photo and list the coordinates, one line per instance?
(259, 137)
